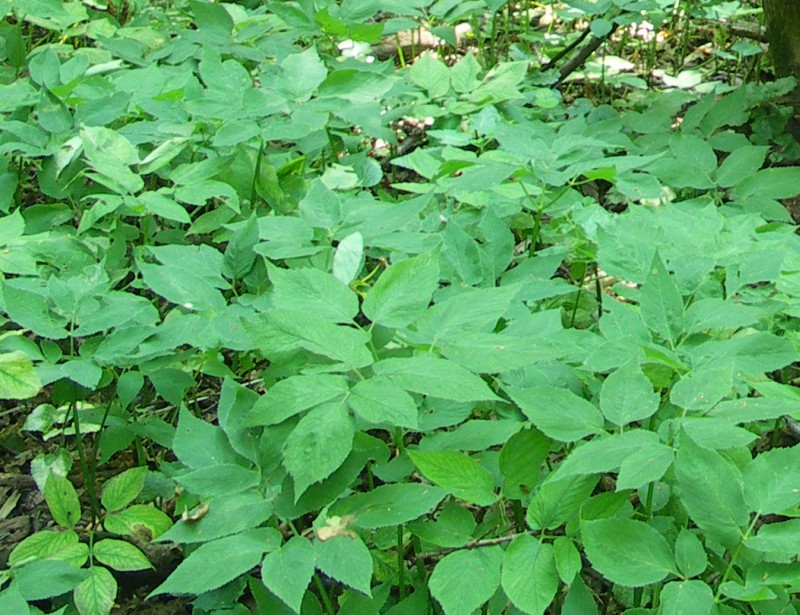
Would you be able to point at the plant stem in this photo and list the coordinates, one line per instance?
(422, 573)
(326, 599)
(734, 557)
(519, 516)
(401, 564)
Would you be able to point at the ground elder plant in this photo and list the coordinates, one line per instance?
(536, 355)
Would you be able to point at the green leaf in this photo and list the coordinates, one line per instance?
(347, 560)
(661, 302)
(556, 502)
(110, 154)
(520, 461)
(293, 395)
(715, 433)
(219, 480)
(29, 307)
(579, 600)
(62, 577)
(62, 500)
(18, 379)
(493, 352)
(772, 480)
(128, 386)
(390, 505)
(280, 332)
(122, 489)
(182, 287)
(715, 313)
(463, 580)
(463, 253)
(380, 402)
(301, 74)
(644, 466)
(120, 555)
(429, 375)
(314, 291)
(356, 86)
(199, 444)
(211, 18)
(558, 413)
(694, 154)
(134, 519)
(711, 489)
(781, 537)
(11, 601)
(431, 74)
(287, 571)
(48, 544)
(239, 255)
(318, 445)
(454, 527)
(730, 110)
(773, 183)
(160, 157)
(604, 454)
(348, 258)
(704, 387)
(476, 309)
(464, 74)
(403, 291)
(627, 396)
(529, 576)
(458, 473)
(756, 353)
(568, 559)
(741, 163)
(627, 552)
(500, 83)
(472, 435)
(214, 564)
(638, 186)
(690, 555)
(686, 598)
(96, 593)
(160, 204)
(601, 27)
(225, 516)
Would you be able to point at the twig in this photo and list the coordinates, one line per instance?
(568, 49)
(474, 544)
(742, 30)
(583, 55)
(792, 426)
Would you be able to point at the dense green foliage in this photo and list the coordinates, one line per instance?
(535, 357)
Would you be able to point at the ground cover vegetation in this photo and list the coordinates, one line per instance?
(397, 307)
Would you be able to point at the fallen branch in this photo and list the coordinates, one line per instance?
(578, 59)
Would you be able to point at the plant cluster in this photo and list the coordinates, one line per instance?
(540, 361)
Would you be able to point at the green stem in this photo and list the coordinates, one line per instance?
(326, 599)
(598, 291)
(256, 173)
(734, 557)
(398, 440)
(648, 506)
(575, 308)
(422, 573)
(637, 597)
(401, 564)
(519, 516)
(86, 470)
